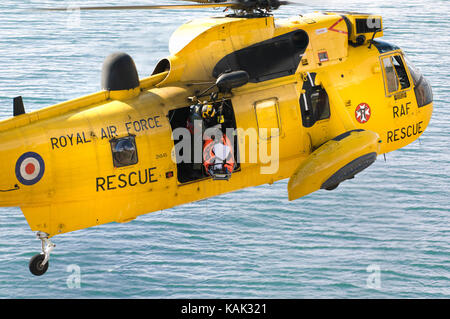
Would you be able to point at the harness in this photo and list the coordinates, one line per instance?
(218, 158)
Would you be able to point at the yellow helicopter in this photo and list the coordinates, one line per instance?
(242, 100)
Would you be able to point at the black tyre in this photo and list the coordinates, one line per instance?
(36, 266)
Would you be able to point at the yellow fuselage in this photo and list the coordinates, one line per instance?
(80, 186)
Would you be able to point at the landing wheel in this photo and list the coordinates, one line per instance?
(37, 267)
(39, 263)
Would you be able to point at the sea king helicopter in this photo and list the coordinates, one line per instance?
(319, 93)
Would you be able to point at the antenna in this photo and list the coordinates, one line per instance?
(373, 36)
(18, 106)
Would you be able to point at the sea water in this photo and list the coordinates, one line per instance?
(384, 234)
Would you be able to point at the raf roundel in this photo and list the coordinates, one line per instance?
(30, 168)
(363, 113)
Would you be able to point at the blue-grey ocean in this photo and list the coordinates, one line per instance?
(384, 234)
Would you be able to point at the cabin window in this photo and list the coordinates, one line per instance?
(314, 105)
(268, 118)
(124, 151)
(320, 103)
(396, 76)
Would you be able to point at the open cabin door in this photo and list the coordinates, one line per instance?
(190, 142)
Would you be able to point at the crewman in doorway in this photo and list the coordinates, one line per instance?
(218, 158)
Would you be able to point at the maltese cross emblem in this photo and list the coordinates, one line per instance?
(362, 113)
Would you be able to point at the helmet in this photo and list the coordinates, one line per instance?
(208, 111)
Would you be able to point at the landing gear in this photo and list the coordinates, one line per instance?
(37, 267)
(39, 263)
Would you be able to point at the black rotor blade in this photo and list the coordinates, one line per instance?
(241, 2)
(204, 1)
(173, 6)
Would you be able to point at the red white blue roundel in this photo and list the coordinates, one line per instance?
(30, 168)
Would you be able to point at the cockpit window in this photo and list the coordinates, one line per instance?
(422, 87)
(391, 76)
(415, 73)
(401, 72)
(396, 75)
